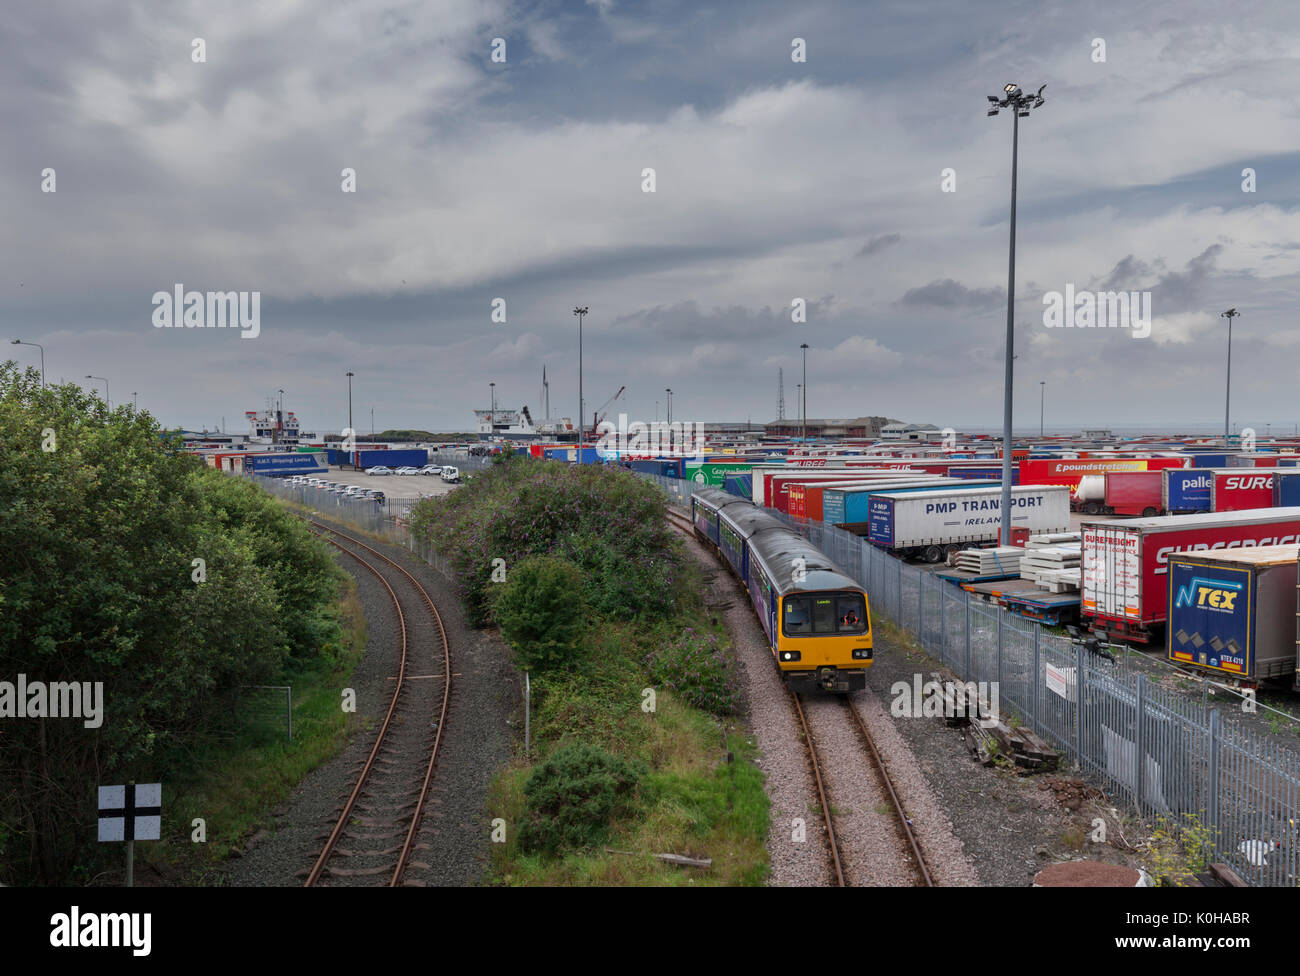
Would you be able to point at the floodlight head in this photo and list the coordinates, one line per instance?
(580, 310)
(15, 342)
(1023, 113)
(993, 98)
(992, 111)
(1011, 88)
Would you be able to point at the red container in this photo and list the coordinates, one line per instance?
(1125, 564)
(1134, 493)
(1237, 489)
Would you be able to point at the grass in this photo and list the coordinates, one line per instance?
(692, 801)
(237, 781)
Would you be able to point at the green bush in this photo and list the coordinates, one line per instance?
(698, 670)
(542, 612)
(573, 795)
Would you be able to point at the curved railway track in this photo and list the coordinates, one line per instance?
(403, 730)
(907, 837)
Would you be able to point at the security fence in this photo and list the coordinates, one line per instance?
(1167, 755)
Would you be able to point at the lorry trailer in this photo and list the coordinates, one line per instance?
(1125, 564)
(932, 523)
(1233, 613)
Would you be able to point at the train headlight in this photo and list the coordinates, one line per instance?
(862, 654)
(789, 655)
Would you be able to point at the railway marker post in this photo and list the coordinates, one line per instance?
(130, 813)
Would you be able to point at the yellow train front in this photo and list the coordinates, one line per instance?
(816, 617)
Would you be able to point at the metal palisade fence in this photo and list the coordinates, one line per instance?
(1168, 755)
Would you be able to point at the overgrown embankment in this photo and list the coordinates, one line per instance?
(634, 690)
(127, 566)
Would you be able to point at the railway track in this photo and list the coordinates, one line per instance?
(906, 836)
(393, 784)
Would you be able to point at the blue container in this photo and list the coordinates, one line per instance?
(1186, 490)
(1286, 488)
(282, 464)
(848, 506)
(407, 457)
(1208, 460)
(741, 485)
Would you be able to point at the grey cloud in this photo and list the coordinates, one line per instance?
(878, 244)
(947, 293)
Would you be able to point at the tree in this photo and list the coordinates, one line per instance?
(542, 613)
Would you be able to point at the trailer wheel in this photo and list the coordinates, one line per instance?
(1091, 508)
(933, 554)
(1149, 512)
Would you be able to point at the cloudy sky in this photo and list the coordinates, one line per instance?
(775, 180)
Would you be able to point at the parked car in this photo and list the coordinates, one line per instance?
(431, 469)
(378, 470)
(407, 470)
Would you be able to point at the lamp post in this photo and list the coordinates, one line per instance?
(580, 311)
(350, 375)
(134, 401)
(1230, 314)
(803, 396)
(107, 401)
(670, 404)
(1042, 401)
(1020, 103)
(492, 399)
(798, 396)
(19, 342)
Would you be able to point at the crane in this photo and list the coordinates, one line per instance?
(600, 413)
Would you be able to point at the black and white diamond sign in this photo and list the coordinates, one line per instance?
(130, 812)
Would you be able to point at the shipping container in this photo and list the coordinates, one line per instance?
(1134, 493)
(1070, 472)
(1209, 459)
(403, 458)
(849, 506)
(768, 482)
(807, 498)
(714, 473)
(1184, 490)
(1125, 564)
(284, 464)
(1238, 489)
(1234, 613)
(933, 522)
(1286, 490)
(740, 485)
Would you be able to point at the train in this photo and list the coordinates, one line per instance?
(816, 617)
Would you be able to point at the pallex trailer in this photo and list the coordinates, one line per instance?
(1126, 564)
(930, 524)
(1185, 490)
(1232, 613)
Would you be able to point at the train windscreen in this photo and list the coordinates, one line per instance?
(818, 614)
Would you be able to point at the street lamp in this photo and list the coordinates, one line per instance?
(803, 396)
(350, 375)
(580, 311)
(492, 399)
(670, 404)
(1042, 401)
(107, 401)
(798, 396)
(1230, 314)
(134, 395)
(19, 342)
(1020, 104)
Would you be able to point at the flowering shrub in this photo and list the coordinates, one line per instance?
(606, 521)
(697, 669)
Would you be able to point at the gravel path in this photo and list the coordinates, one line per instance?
(454, 836)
